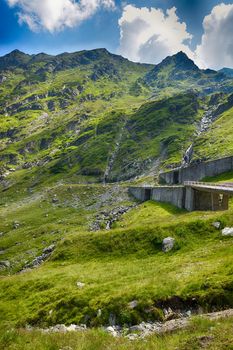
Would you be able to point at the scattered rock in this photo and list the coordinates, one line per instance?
(55, 199)
(205, 340)
(61, 328)
(99, 312)
(113, 331)
(80, 285)
(16, 224)
(133, 304)
(5, 264)
(169, 314)
(41, 258)
(227, 231)
(49, 249)
(144, 329)
(2, 78)
(168, 244)
(217, 225)
(105, 219)
(1, 234)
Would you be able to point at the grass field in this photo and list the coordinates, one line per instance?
(115, 266)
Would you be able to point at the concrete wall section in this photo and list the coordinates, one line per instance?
(196, 172)
(140, 193)
(183, 197)
(189, 199)
(172, 195)
(166, 194)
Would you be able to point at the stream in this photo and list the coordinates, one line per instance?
(204, 124)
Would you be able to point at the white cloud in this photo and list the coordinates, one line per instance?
(149, 35)
(55, 15)
(216, 48)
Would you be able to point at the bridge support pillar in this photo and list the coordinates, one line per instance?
(189, 202)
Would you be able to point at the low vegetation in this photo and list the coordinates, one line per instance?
(74, 246)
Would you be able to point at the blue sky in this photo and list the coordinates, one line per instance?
(31, 26)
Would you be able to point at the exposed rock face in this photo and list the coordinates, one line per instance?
(41, 258)
(106, 219)
(168, 244)
(2, 78)
(49, 249)
(227, 231)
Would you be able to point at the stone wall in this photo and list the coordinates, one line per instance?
(196, 172)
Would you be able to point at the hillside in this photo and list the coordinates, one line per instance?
(95, 116)
(75, 130)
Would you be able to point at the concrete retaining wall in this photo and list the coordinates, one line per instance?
(167, 194)
(197, 172)
(139, 192)
(184, 197)
(172, 195)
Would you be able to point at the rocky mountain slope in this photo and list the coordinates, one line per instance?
(95, 116)
(75, 248)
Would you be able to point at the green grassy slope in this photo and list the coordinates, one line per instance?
(91, 115)
(217, 142)
(116, 266)
(67, 124)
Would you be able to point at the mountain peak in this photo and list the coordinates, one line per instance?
(173, 68)
(17, 53)
(15, 58)
(180, 60)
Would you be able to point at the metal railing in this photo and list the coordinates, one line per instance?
(208, 184)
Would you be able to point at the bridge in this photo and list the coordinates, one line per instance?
(192, 195)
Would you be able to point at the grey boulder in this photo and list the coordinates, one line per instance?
(168, 244)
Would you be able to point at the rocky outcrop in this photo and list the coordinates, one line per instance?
(41, 258)
(105, 219)
(144, 329)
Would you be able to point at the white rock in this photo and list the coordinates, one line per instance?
(112, 331)
(71, 328)
(168, 244)
(99, 312)
(80, 285)
(217, 224)
(133, 304)
(133, 336)
(227, 231)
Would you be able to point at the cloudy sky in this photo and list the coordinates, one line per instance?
(143, 31)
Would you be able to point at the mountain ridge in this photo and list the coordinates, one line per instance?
(88, 113)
